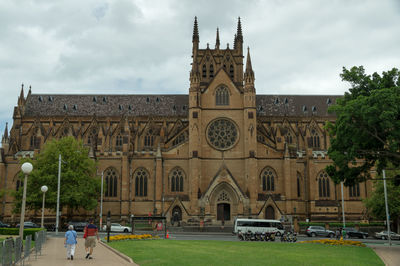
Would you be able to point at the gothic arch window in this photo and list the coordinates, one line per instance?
(313, 141)
(289, 137)
(111, 180)
(211, 71)
(268, 179)
(148, 140)
(141, 179)
(298, 185)
(35, 142)
(222, 96)
(92, 137)
(324, 185)
(118, 143)
(354, 190)
(176, 177)
(19, 184)
(231, 71)
(204, 71)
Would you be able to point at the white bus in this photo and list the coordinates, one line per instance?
(258, 225)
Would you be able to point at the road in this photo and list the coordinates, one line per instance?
(230, 237)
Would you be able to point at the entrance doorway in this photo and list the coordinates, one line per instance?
(270, 213)
(223, 212)
(176, 215)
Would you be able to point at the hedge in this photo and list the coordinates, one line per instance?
(336, 224)
(15, 231)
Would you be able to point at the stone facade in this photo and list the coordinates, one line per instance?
(218, 153)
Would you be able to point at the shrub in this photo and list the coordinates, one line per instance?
(334, 242)
(15, 231)
(127, 237)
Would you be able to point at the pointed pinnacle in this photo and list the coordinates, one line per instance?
(195, 30)
(239, 30)
(248, 62)
(217, 41)
(6, 131)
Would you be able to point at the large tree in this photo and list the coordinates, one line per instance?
(366, 133)
(79, 186)
(376, 202)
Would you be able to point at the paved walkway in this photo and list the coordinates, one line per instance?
(54, 253)
(389, 255)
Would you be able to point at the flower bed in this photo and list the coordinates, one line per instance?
(129, 237)
(336, 242)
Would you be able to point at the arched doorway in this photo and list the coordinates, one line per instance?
(270, 213)
(176, 216)
(223, 212)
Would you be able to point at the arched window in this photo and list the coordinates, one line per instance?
(211, 71)
(222, 96)
(289, 138)
(141, 177)
(324, 185)
(19, 184)
(268, 179)
(298, 185)
(118, 143)
(148, 140)
(231, 71)
(204, 71)
(92, 138)
(111, 181)
(354, 190)
(35, 142)
(177, 178)
(313, 141)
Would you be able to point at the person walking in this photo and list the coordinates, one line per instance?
(90, 235)
(70, 242)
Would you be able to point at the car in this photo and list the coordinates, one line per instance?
(384, 235)
(29, 225)
(319, 231)
(352, 232)
(3, 225)
(78, 226)
(118, 228)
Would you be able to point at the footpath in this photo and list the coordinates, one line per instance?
(389, 255)
(54, 253)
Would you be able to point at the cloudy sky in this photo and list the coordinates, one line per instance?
(144, 46)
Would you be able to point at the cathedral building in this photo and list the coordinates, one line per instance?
(219, 152)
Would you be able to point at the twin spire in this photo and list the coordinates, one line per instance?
(238, 41)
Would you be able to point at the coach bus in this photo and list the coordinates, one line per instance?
(258, 225)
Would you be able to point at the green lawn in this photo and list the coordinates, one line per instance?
(200, 252)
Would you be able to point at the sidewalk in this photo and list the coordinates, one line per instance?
(54, 253)
(389, 255)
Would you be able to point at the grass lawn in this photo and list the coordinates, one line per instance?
(200, 252)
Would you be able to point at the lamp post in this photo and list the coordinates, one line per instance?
(58, 192)
(26, 169)
(386, 208)
(344, 220)
(101, 201)
(44, 190)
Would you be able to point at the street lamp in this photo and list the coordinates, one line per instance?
(44, 190)
(26, 169)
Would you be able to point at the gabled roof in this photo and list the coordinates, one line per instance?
(45, 105)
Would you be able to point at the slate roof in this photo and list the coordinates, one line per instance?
(165, 105)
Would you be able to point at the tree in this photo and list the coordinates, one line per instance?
(376, 202)
(366, 133)
(79, 188)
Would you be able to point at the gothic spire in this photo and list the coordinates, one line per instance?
(5, 136)
(217, 41)
(22, 91)
(196, 37)
(249, 68)
(239, 35)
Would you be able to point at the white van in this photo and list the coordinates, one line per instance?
(258, 225)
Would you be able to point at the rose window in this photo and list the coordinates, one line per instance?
(222, 134)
